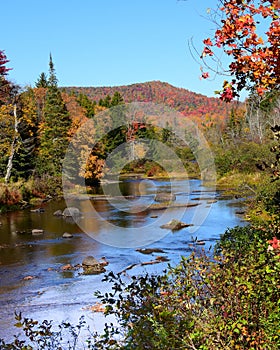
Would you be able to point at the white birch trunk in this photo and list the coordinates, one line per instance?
(13, 147)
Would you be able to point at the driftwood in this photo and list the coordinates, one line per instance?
(149, 250)
(161, 206)
(158, 260)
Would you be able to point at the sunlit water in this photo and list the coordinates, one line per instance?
(114, 230)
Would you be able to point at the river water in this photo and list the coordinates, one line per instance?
(31, 267)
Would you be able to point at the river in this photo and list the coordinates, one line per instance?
(33, 279)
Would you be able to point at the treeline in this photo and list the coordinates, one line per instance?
(37, 124)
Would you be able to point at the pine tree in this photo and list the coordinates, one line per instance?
(54, 129)
(86, 103)
(117, 99)
(52, 82)
(24, 158)
(42, 82)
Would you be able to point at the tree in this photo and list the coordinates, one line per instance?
(86, 103)
(254, 51)
(24, 159)
(9, 118)
(106, 102)
(3, 60)
(117, 99)
(42, 81)
(4, 84)
(54, 129)
(52, 81)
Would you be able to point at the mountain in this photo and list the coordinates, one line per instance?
(189, 103)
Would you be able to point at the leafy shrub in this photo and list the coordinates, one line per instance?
(46, 185)
(227, 302)
(9, 194)
(242, 157)
(44, 335)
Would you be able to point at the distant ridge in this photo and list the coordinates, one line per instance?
(187, 102)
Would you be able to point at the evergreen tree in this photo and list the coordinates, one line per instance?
(42, 82)
(54, 129)
(106, 102)
(52, 82)
(117, 99)
(24, 158)
(86, 103)
(109, 101)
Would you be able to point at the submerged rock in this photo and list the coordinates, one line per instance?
(165, 197)
(175, 225)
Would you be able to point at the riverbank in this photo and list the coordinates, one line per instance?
(33, 194)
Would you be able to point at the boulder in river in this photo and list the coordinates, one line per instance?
(37, 232)
(71, 212)
(165, 197)
(175, 225)
(67, 235)
(92, 266)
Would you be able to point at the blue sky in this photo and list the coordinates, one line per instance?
(107, 42)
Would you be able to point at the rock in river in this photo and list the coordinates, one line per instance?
(71, 212)
(175, 225)
(165, 197)
(149, 250)
(92, 266)
(37, 232)
(67, 235)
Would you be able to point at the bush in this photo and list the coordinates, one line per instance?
(46, 185)
(242, 157)
(227, 302)
(10, 196)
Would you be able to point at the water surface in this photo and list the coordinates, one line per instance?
(114, 229)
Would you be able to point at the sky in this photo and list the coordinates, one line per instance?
(107, 42)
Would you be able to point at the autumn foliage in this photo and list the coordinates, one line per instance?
(248, 32)
(3, 60)
(190, 104)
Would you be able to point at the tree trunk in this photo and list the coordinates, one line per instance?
(13, 147)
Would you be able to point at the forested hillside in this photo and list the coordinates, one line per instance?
(187, 102)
